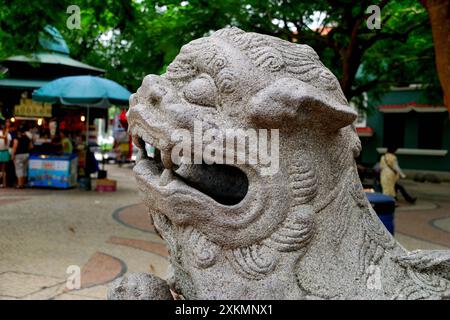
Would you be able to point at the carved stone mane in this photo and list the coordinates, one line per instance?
(306, 231)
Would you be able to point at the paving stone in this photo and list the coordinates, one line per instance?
(44, 232)
(18, 285)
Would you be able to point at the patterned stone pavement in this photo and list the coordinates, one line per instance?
(43, 232)
(425, 225)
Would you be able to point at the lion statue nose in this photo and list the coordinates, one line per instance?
(153, 89)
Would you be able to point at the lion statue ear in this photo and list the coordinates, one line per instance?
(291, 100)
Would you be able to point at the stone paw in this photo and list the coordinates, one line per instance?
(139, 286)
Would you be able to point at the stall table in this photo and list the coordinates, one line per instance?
(53, 170)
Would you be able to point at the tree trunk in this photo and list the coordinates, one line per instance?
(439, 13)
(351, 59)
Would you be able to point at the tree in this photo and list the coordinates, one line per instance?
(439, 12)
(21, 21)
(130, 39)
(343, 40)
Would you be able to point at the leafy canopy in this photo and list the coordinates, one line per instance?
(130, 39)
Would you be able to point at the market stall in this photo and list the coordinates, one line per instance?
(86, 92)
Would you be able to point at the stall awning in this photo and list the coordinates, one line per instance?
(364, 131)
(410, 106)
(22, 83)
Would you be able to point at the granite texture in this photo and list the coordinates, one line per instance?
(139, 286)
(303, 232)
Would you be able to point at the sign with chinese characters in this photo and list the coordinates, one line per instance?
(30, 108)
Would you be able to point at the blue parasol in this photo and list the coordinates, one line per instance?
(87, 91)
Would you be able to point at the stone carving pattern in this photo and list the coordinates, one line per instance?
(291, 226)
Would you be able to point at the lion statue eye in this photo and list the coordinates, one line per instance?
(201, 91)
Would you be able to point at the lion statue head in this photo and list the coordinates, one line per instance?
(284, 218)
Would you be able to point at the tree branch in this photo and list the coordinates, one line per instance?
(370, 84)
(402, 37)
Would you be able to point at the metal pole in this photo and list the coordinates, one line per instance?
(87, 127)
(87, 174)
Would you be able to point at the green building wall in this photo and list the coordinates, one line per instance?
(375, 120)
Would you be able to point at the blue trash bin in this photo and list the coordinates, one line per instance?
(384, 206)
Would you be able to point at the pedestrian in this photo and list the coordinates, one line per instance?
(390, 174)
(20, 155)
(56, 142)
(67, 146)
(122, 146)
(5, 139)
(28, 132)
(12, 132)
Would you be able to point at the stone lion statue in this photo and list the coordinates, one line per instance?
(305, 231)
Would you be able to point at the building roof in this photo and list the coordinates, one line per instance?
(410, 106)
(364, 131)
(53, 58)
(51, 40)
(53, 51)
(407, 99)
(22, 83)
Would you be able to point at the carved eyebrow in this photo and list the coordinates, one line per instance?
(226, 80)
(218, 63)
(195, 58)
(181, 68)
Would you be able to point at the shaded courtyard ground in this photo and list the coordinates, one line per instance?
(43, 232)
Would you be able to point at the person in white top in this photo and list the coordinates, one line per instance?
(5, 140)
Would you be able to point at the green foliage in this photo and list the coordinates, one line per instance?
(405, 58)
(22, 20)
(132, 38)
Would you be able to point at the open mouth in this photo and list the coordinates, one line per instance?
(225, 184)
